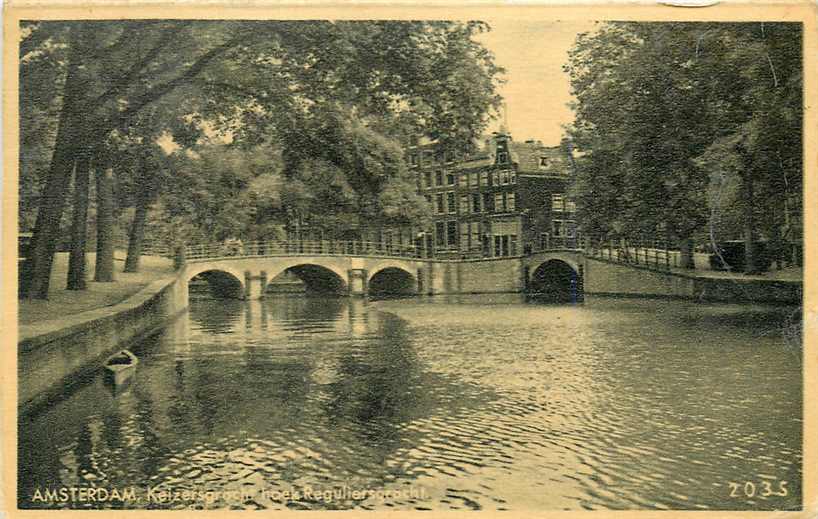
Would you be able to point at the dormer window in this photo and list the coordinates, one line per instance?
(502, 157)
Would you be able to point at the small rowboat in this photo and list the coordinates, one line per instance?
(120, 367)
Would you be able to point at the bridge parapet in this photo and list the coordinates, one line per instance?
(208, 252)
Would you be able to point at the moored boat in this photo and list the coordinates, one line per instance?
(120, 367)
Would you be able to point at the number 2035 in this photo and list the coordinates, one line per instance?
(762, 489)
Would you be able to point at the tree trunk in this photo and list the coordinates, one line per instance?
(686, 260)
(104, 270)
(750, 263)
(37, 268)
(136, 236)
(79, 226)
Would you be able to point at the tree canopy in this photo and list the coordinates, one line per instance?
(334, 94)
(668, 113)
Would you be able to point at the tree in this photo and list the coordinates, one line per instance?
(69, 136)
(79, 227)
(104, 269)
(653, 101)
(145, 190)
(254, 79)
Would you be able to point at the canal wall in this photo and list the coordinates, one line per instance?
(478, 276)
(53, 354)
(609, 278)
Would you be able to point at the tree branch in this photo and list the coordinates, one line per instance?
(158, 91)
(121, 85)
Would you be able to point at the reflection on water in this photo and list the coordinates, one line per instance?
(465, 402)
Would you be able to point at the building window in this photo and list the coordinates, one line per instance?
(499, 202)
(451, 234)
(474, 236)
(450, 204)
(502, 245)
(464, 204)
(557, 202)
(413, 159)
(484, 178)
(558, 228)
(440, 234)
(495, 178)
(511, 202)
(512, 177)
(428, 176)
(544, 162)
(488, 205)
(438, 178)
(474, 179)
(570, 228)
(502, 157)
(464, 180)
(449, 179)
(475, 200)
(439, 199)
(570, 206)
(504, 177)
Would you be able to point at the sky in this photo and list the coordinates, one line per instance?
(537, 90)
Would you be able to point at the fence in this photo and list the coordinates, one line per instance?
(650, 257)
(307, 248)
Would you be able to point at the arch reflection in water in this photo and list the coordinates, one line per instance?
(216, 315)
(464, 397)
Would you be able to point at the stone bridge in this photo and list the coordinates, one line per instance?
(249, 277)
(358, 269)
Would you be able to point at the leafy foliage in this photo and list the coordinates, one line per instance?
(666, 112)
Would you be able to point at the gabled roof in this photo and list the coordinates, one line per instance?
(529, 155)
(526, 155)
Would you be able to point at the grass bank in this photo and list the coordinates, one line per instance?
(62, 302)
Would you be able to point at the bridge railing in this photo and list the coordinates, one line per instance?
(303, 248)
(659, 259)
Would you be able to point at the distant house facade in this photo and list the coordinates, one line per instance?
(507, 199)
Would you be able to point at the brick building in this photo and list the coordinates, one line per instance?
(504, 200)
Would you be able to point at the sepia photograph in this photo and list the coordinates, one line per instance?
(488, 260)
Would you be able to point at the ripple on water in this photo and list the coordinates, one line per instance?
(483, 405)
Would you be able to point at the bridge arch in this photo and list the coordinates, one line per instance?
(317, 277)
(392, 280)
(556, 279)
(223, 282)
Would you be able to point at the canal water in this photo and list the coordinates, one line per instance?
(468, 402)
